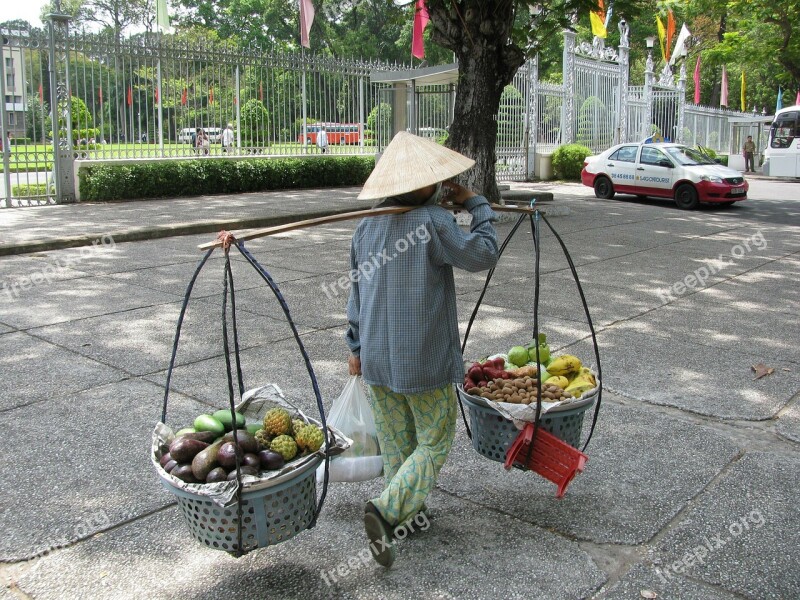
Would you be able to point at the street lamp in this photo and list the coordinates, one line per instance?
(650, 40)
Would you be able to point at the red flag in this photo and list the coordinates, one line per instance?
(211, 95)
(41, 94)
(184, 97)
(670, 31)
(100, 95)
(155, 94)
(261, 90)
(306, 19)
(421, 19)
(130, 96)
(235, 100)
(796, 100)
(697, 81)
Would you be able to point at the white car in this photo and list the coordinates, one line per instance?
(664, 171)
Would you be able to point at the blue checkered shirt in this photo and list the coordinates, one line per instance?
(402, 307)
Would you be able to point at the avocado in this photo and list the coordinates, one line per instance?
(209, 423)
(224, 417)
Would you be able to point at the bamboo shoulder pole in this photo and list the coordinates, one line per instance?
(357, 214)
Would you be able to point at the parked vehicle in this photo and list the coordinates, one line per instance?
(186, 135)
(338, 133)
(782, 155)
(663, 171)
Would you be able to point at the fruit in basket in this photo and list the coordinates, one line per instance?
(566, 365)
(216, 475)
(544, 349)
(184, 473)
(228, 454)
(253, 427)
(209, 423)
(518, 355)
(271, 461)
(171, 464)
(559, 380)
(285, 446)
(582, 383)
(165, 458)
(185, 449)
(277, 421)
(203, 436)
(205, 461)
(224, 417)
(246, 441)
(184, 431)
(251, 460)
(309, 438)
(297, 424)
(263, 438)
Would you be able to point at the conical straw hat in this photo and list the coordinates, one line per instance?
(409, 163)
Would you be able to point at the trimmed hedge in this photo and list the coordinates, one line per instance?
(568, 160)
(167, 179)
(28, 190)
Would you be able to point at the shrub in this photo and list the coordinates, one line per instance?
(29, 190)
(568, 160)
(20, 141)
(164, 179)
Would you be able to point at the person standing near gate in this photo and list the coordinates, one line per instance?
(749, 151)
(227, 138)
(403, 323)
(322, 139)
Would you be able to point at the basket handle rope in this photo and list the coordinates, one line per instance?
(478, 305)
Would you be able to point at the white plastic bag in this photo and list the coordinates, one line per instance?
(352, 415)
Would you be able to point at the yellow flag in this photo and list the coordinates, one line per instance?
(662, 33)
(744, 88)
(598, 26)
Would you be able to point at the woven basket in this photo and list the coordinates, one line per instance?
(270, 515)
(493, 434)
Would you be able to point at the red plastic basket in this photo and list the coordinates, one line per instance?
(552, 458)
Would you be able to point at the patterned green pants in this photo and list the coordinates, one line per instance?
(416, 433)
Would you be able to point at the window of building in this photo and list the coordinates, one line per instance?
(11, 119)
(10, 80)
(9, 64)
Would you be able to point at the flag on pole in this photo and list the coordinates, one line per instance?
(211, 95)
(162, 16)
(661, 36)
(680, 44)
(697, 81)
(598, 21)
(744, 88)
(261, 91)
(184, 97)
(155, 95)
(796, 100)
(130, 96)
(421, 19)
(100, 95)
(779, 103)
(723, 100)
(41, 95)
(670, 32)
(306, 19)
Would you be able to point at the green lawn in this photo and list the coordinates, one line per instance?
(39, 157)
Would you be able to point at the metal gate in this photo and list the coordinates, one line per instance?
(596, 102)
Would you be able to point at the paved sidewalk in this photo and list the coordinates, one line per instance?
(691, 488)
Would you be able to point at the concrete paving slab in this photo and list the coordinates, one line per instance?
(770, 335)
(5, 329)
(65, 301)
(676, 372)
(332, 257)
(559, 298)
(91, 450)
(762, 289)
(642, 579)
(747, 524)
(445, 561)
(142, 342)
(21, 271)
(624, 496)
(35, 370)
(788, 425)
(280, 362)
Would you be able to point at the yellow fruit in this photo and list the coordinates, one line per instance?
(581, 388)
(559, 380)
(564, 365)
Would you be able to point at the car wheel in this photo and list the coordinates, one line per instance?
(686, 197)
(603, 188)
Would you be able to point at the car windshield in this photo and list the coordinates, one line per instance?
(688, 156)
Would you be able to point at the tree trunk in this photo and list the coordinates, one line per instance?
(480, 36)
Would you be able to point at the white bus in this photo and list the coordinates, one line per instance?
(782, 155)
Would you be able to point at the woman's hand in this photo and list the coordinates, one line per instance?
(457, 194)
(354, 365)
